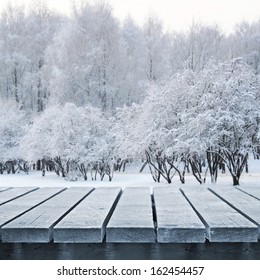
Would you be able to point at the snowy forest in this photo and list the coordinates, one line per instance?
(84, 95)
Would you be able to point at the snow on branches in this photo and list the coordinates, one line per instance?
(74, 138)
(192, 119)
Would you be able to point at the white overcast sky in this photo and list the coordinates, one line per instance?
(176, 14)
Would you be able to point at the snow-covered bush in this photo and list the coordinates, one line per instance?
(212, 116)
(227, 115)
(74, 138)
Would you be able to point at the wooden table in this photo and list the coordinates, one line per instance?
(130, 215)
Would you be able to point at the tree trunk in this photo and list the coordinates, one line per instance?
(236, 163)
(235, 181)
(39, 93)
(214, 160)
(143, 166)
(38, 168)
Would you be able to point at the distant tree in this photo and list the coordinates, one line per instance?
(156, 50)
(197, 48)
(12, 130)
(133, 83)
(245, 43)
(85, 58)
(24, 39)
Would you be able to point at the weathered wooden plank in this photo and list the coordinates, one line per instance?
(2, 189)
(253, 191)
(132, 220)
(19, 206)
(177, 222)
(37, 224)
(14, 193)
(223, 223)
(134, 196)
(245, 204)
(87, 222)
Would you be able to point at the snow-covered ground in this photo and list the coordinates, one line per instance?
(130, 178)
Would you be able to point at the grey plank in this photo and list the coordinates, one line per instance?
(132, 220)
(245, 204)
(14, 193)
(37, 224)
(223, 223)
(253, 191)
(19, 206)
(177, 222)
(134, 196)
(2, 189)
(87, 222)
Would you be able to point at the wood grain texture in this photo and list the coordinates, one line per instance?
(223, 223)
(244, 203)
(177, 222)
(14, 193)
(37, 224)
(132, 220)
(74, 216)
(21, 205)
(87, 222)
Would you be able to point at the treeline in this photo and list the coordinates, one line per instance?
(189, 123)
(81, 95)
(46, 58)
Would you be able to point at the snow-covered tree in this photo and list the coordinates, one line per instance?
(134, 78)
(24, 39)
(245, 43)
(74, 138)
(196, 48)
(150, 129)
(85, 58)
(232, 114)
(12, 129)
(155, 50)
(192, 118)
